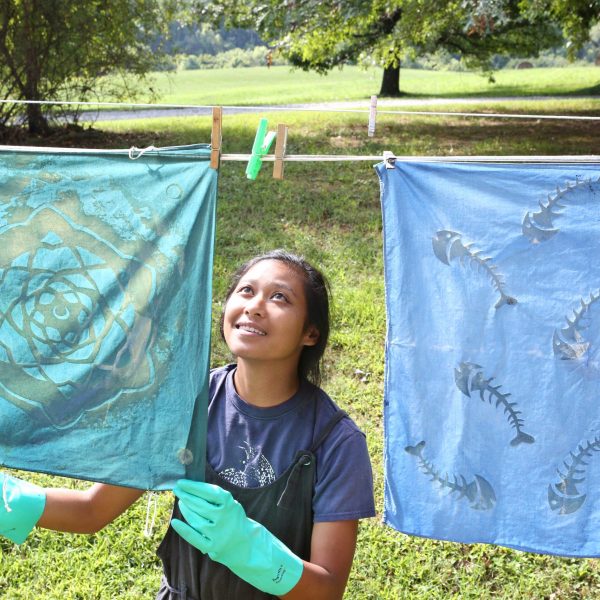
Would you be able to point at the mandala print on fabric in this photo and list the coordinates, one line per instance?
(74, 322)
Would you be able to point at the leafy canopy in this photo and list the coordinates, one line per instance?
(575, 17)
(319, 35)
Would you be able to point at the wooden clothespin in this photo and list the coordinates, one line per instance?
(389, 158)
(216, 137)
(280, 146)
(372, 116)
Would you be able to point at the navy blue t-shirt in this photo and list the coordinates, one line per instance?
(252, 446)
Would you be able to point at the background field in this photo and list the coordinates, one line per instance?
(330, 212)
(280, 85)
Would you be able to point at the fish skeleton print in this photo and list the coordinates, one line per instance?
(539, 226)
(564, 497)
(256, 470)
(448, 245)
(469, 378)
(479, 492)
(568, 343)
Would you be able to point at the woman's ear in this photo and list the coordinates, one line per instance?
(311, 336)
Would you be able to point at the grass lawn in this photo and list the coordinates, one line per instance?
(281, 85)
(330, 212)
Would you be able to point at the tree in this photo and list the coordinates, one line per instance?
(320, 35)
(61, 49)
(575, 17)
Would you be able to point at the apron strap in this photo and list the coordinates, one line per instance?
(337, 417)
(305, 459)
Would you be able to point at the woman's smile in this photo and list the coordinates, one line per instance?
(250, 328)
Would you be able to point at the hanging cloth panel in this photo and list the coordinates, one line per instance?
(492, 379)
(105, 303)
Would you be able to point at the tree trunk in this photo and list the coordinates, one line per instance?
(390, 85)
(33, 57)
(36, 122)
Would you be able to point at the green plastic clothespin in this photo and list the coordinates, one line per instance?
(262, 143)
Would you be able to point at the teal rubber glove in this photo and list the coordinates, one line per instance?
(218, 526)
(21, 507)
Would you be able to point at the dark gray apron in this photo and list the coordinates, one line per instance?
(284, 507)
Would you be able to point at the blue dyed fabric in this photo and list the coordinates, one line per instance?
(105, 301)
(492, 381)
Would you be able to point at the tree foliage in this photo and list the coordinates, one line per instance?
(320, 35)
(575, 17)
(60, 49)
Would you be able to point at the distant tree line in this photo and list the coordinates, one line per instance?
(258, 56)
(195, 39)
(190, 47)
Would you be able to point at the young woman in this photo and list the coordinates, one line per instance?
(288, 474)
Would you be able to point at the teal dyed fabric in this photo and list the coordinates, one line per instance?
(492, 382)
(105, 303)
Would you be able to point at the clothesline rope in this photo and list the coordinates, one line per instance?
(267, 108)
(137, 152)
(590, 158)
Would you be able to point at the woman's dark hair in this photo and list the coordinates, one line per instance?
(316, 291)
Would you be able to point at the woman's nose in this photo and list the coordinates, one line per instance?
(254, 306)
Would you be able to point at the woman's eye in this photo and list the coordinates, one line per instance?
(245, 289)
(280, 296)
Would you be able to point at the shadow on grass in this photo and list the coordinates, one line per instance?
(589, 91)
(506, 92)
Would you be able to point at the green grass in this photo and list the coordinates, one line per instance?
(330, 212)
(281, 85)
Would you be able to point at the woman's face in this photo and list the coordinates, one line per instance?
(265, 316)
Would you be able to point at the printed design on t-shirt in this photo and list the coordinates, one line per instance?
(255, 470)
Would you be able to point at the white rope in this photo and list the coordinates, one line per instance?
(267, 108)
(584, 158)
(7, 507)
(117, 104)
(488, 115)
(573, 159)
(135, 153)
(149, 528)
(60, 150)
(591, 158)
